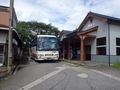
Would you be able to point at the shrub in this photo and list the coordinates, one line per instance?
(117, 64)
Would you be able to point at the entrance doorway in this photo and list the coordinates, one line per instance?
(88, 52)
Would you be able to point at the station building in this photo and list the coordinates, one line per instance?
(96, 39)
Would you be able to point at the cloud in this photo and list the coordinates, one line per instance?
(4, 2)
(64, 14)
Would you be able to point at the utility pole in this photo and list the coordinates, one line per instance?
(10, 34)
(109, 22)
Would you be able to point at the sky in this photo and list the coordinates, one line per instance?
(63, 14)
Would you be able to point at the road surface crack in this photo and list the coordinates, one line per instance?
(88, 82)
(58, 82)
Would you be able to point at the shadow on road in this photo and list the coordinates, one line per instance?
(26, 61)
(48, 61)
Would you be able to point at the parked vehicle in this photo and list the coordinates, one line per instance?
(44, 47)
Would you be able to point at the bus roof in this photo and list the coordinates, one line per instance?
(46, 36)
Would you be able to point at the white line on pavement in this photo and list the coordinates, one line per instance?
(105, 74)
(40, 80)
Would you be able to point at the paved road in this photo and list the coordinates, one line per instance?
(58, 76)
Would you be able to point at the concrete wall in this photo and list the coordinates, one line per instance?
(114, 32)
(102, 27)
(105, 58)
(101, 32)
(93, 46)
(99, 58)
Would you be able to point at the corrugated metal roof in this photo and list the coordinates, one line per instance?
(5, 8)
(15, 35)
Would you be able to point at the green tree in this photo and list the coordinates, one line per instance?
(29, 30)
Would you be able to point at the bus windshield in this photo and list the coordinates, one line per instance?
(47, 43)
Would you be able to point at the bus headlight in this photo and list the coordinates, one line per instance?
(39, 55)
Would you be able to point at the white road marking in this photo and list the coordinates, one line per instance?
(108, 75)
(64, 65)
(83, 75)
(40, 80)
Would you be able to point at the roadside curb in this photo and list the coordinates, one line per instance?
(73, 62)
(6, 72)
(83, 64)
(111, 72)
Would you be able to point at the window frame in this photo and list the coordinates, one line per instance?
(99, 43)
(117, 41)
(99, 52)
(117, 53)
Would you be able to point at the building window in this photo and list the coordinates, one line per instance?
(101, 41)
(118, 50)
(101, 50)
(118, 41)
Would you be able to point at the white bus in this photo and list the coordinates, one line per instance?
(44, 47)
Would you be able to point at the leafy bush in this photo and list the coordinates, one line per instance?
(117, 64)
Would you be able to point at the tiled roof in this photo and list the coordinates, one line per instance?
(105, 16)
(66, 32)
(74, 32)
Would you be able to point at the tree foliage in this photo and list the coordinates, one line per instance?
(29, 30)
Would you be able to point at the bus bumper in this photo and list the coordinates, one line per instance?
(48, 58)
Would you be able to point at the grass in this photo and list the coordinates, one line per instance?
(117, 64)
(77, 64)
